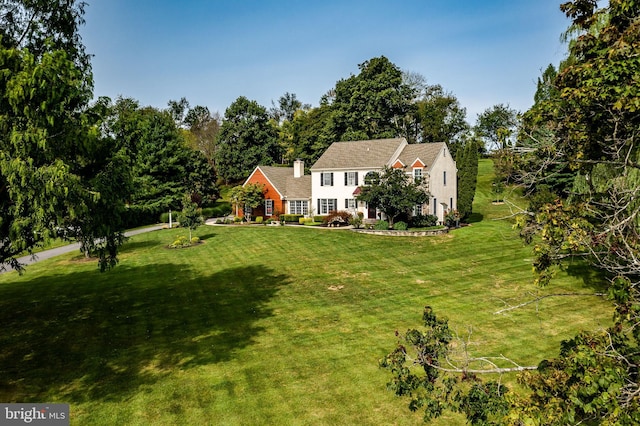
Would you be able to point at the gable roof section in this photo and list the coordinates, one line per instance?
(359, 154)
(426, 153)
(298, 188)
(282, 180)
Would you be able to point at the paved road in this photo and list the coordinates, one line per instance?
(47, 254)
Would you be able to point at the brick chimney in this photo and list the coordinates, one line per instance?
(298, 168)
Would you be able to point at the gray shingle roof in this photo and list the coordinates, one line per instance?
(289, 186)
(426, 152)
(358, 154)
(375, 154)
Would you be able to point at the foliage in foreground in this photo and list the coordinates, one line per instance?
(589, 125)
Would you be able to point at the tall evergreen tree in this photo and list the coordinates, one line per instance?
(467, 162)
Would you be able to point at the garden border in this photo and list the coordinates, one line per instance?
(398, 233)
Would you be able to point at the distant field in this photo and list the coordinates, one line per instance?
(271, 325)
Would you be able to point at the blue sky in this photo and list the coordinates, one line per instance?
(211, 52)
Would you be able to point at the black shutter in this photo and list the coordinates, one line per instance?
(321, 179)
(331, 179)
(356, 178)
(345, 178)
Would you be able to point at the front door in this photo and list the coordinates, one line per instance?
(371, 212)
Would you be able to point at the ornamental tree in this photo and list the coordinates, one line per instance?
(248, 197)
(394, 193)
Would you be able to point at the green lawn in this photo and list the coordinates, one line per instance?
(270, 325)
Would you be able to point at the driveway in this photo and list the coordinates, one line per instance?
(46, 254)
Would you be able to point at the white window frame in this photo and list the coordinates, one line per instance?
(351, 178)
(326, 179)
(417, 175)
(327, 205)
(268, 207)
(350, 204)
(299, 207)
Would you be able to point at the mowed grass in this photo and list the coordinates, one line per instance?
(272, 325)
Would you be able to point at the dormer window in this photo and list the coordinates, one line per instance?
(417, 175)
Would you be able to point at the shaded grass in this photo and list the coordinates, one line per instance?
(271, 325)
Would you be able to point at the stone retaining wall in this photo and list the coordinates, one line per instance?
(396, 233)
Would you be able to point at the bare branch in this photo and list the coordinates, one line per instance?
(537, 299)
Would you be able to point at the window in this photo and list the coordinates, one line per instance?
(326, 179)
(444, 178)
(371, 178)
(350, 178)
(299, 207)
(326, 205)
(417, 210)
(268, 207)
(350, 203)
(417, 175)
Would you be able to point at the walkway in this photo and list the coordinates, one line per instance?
(47, 254)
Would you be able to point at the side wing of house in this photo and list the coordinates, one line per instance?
(273, 199)
(443, 184)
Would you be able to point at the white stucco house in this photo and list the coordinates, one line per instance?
(342, 169)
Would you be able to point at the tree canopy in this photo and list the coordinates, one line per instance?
(586, 121)
(247, 138)
(57, 171)
(374, 104)
(394, 193)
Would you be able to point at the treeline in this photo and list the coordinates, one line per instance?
(87, 169)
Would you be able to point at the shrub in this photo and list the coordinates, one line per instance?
(290, 218)
(302, 220)
(180, 242)
(339, 218)
(259, 219)
(195, 240)
(318, 219)
(208, 212)
(400, 226)
(452, 219)
(382, 225)
(423, 221)
(237, 219)
(356, 221)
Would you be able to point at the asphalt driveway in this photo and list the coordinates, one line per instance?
(46, 254)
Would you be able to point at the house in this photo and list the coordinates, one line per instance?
(287, 190)
(337, 175)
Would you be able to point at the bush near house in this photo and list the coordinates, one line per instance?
(291, 218)
(423, 221)
(382, 225)
(338, 218)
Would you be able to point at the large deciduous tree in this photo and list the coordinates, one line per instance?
(496, 126)
(57, 170)
(374, 104)
(247, 138)
(439, 117)
(394, 193)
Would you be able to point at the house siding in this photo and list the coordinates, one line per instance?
(338, 191)
(270, 193)
(441, 191)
